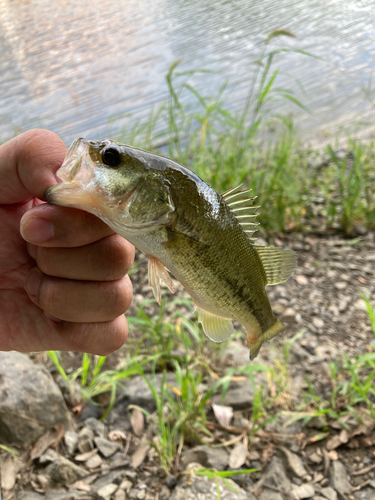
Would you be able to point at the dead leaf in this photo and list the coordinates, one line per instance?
(140, 453)
(137, 421)
(237, 456)
(223, 414)
(333, 455)
(46, 441)
(338, 440)
(116, 435)
(82, 457)
(81, 485)
(8, 473)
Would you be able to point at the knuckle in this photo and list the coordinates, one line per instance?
(120, 255)
(123, 291)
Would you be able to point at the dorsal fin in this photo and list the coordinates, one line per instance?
(278, 263)
(241, 204)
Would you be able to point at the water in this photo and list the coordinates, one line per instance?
(91, 68)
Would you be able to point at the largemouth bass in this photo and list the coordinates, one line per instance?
(202, 238)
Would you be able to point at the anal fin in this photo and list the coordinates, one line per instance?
(157, 273)
(215, 327)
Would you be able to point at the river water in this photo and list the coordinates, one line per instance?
(94, 67)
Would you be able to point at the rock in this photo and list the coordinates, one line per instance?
(303, 491)
(30, 401)
(114, 477)
(194, 487)
(62, 470)
(339, 478)
(106, 491)
(30, 495)
(135, 392)
(294, 463)
(171, 481)
(85, 440)
(120, 495)
(275, 476)
(329, 493)
(71, 442)
(341, 285)
(96, 426)
(241, 393)
(207, 457)
(107, 448)
(94, 462)
(318, 322)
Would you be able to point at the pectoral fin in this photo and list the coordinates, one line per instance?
(215, 327)
(157, 273)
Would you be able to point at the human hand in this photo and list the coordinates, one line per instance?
(67, 288)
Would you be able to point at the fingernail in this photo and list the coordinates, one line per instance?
(36, 230)
(32, 283)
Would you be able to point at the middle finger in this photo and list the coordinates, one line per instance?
(105, 260)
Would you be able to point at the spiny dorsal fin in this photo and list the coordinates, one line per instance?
(278, 263)
(241, 204)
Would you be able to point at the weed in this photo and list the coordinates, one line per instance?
(221, 477)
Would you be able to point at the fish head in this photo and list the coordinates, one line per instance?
(119, 184)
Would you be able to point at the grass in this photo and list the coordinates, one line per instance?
(258, 146)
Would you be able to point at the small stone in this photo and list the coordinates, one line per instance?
(315, 458)
(107, 448)
(171, 481)
(141, 495)
(106, 491)
(301, 279)
(94, 462)
(85, 440)
(120, 495)
(303, 491)
(289, 312)
(294, 463)
(71, 441)
(339, 478)
(63, 471)
(126, 485)
(96, 426)
(360, 305)
(329, 493)
(341, 285)
(318, 322)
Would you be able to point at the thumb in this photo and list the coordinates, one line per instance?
(28, 164)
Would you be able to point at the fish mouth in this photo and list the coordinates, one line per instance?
(76, 172)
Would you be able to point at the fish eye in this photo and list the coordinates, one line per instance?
(111, 156)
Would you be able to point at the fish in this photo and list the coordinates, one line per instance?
(202, 238)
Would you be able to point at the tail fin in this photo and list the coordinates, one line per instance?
(255, 342)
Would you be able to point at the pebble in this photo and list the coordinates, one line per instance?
(94, 462)
(329, 493)
(341, 285)
(85, 440)
(317, 322)
(106, 491)
(107, 448)
(71, 441)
